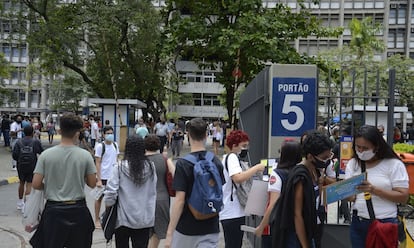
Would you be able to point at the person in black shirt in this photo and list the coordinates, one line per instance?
(184, 230)
(5, 129)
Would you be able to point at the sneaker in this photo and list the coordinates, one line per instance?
(20, 205)
(14, 167)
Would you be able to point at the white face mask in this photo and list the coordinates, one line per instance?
(366, 155)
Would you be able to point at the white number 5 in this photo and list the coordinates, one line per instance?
(288, 108)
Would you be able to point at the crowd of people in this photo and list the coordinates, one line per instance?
(136, 182)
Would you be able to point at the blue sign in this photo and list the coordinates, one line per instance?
(343, 189)
(293, 106)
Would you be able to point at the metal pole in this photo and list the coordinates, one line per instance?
(391, 104)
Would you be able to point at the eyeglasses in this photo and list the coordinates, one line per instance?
(327, 159)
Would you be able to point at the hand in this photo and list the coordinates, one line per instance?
(260, 167)
(259, 231)
(99, 183)
(366, 187)
(167, 242)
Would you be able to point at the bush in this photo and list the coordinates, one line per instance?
(403, 148)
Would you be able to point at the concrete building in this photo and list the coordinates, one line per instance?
(201, 90)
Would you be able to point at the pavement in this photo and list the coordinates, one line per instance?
(12, 234)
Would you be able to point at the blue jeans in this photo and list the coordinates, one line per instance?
(359, 230)
(292, 241)
(6, 136)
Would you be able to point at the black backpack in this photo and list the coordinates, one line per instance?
(27, 158)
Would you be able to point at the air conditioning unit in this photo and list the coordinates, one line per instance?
(412, 30)
(389, 54)
(393, 6)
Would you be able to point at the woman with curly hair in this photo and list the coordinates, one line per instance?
(133, 183)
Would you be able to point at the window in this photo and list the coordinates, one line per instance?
(6, 49)
(197, 99)
(391, 39)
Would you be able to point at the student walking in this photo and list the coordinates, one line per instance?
(62, 172)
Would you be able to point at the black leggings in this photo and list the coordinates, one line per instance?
(233, 236)
(139, 237)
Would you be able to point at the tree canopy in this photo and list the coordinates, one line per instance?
(114, 47)
(239, 37)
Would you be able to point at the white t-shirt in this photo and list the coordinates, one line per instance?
(161, 129)
(231, 209)
(330, 170)
(94, 130)
(109, 159)
(388, 174)
(15, 127)
(275, 183)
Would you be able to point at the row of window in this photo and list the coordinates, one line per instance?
(199, 99)
(199, 77)
(329, 4)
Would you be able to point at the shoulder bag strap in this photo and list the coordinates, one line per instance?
(368, 196)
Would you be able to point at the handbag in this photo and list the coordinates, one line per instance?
(109, 217)
(33, 210)
(169, 179)
(379, 234)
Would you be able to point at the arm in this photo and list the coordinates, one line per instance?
(171, 166)
(398, 195)
(98, 161)
(265, 221)
(245, 175)
(16, 151)
(176, 212)
(298, 217)
(37, 182)
(91, 180)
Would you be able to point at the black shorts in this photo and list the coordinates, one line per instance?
(216, 140)
(25, 177)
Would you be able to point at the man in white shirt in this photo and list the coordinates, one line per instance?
(16, 133)
(161, 130)
(94, 131)
(106, 155)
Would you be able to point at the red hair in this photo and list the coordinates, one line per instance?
(236, 137)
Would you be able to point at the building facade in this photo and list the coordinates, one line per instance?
(200, 90)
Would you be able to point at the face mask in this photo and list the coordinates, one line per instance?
(243, 153)
(366, 155)
(321, 164)
(109, 137)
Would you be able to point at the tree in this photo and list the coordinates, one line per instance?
(5, 94)
(239, 37)
(66, 91)
(114, 47)
(353, 63)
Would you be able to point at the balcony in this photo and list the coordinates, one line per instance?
(208, 88)
(201, 111)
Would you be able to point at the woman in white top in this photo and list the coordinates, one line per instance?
(217, 136)
(290, 156)
(232, 215)
(387, 181)
(133, 183)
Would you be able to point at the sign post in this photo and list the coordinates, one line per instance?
(293, 90)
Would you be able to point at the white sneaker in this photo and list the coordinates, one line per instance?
(14, 168)
(20, 205)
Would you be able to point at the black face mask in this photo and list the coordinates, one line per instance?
(243, 153)
(321, 164)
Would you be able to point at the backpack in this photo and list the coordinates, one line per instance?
(206, 199)
(103, 148)
(27, 158)
(242, 191)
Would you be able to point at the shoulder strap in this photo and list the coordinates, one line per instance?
(227, 169)
(194, 159)
(103, 149)
(367, 195)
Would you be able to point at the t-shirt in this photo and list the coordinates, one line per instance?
(183, 181)
(161, 169)
(387, 174)
(16, 127)
(161, 129)
(142, 131)
(109, 160)
(231, 209)
(64, 169)
(94, 130)
(275, 183)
